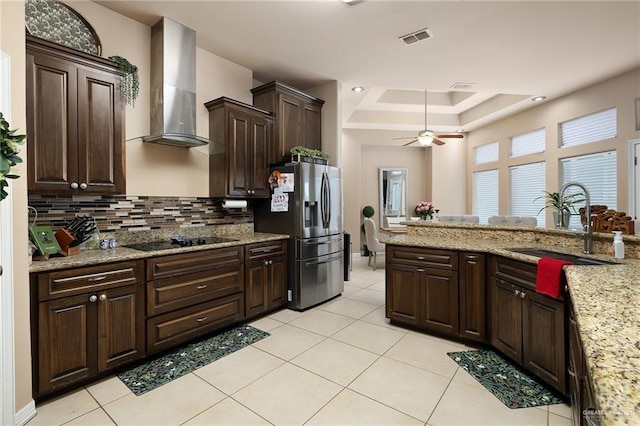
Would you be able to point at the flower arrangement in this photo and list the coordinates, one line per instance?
(425, 209)
(273, 179)
(9, 149)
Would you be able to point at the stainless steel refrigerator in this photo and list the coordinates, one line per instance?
(307, 204)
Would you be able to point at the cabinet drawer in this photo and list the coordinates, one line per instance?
(168, 330)
(180, 264)
(432, 258)
(175, 293)
(75, 281)
(521, 273)
(264, 250)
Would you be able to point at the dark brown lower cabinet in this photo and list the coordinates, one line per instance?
(584, 409)
(265, 277)
(472, 296)
(422, 288)
(82, 333)
(526, 326)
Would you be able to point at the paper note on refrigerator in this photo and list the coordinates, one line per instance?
(279, 202)
(286, 182)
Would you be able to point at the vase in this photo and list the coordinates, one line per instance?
(561, 222)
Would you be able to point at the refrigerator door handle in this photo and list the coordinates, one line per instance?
(323, 199)
(328, 201)
(319, 243)
(325, 261)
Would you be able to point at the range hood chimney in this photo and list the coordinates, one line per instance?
(173, 86)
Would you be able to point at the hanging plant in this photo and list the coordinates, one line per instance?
(9, 148)
(129, 79)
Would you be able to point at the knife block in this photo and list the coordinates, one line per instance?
(65, 238)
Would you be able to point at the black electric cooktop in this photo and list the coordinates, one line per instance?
(177, 242)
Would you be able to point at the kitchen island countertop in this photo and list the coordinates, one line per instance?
(606, 301)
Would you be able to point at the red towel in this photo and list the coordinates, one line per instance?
(549, 276)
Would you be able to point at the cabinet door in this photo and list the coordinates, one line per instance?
(575, 369)
(261, 145)
(239, 153)
(290, 117)
(440, 301)
(403, 293)
(255, 286)
(51, 124)
(312, 126)
(543, 338)
(277, 283)
(100, 133)
(472, 297)
(66, 342)
(120, 326)
(506, 319)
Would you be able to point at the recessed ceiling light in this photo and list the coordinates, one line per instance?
(358, 89)
(539, 98)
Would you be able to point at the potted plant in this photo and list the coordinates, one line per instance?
(566, 205)
(309, 155)
(9, 149)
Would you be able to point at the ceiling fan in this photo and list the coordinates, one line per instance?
(428, 137)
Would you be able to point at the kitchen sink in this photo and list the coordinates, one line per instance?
(578, 260)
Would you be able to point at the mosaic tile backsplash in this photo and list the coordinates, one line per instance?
(136, 213)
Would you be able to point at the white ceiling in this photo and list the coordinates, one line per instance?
(510, 51)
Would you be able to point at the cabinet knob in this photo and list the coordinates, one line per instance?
(93, 298)
(74, 185)
(103, 297)
(523, 294)
(266, 262)
(517, 292)
(83, 185)
(271, 262)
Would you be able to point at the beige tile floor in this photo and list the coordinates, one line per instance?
(340, 363)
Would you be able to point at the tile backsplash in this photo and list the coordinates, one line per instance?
(135, 213)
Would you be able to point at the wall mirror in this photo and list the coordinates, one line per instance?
(393, 195)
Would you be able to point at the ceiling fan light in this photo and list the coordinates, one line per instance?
(425, 140)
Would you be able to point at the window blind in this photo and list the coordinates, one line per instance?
(487, 153)
(598, 172)
(528, 143)
(485, 194)
(527, 184)
(589, 128)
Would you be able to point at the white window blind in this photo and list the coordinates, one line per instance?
(590, 128)
(487, 153)
(528, 143)
(598, 172)
(528, 183)
(485, 194)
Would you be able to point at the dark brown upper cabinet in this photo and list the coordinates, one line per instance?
(297, 116)
(75, 122)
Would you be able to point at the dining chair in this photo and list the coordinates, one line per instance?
(373, 244)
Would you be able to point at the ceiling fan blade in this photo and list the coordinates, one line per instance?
(438, 142)
(451, 136)
(408, 137)
(409, 143)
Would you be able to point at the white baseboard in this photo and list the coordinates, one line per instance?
(25, 414)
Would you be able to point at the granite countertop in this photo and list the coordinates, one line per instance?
(606, 301)
(93, 257)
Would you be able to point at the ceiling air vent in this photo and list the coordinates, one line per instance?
(416, 36)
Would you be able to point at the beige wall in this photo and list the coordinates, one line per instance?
(617, 92)
(12, 43)
(155, 169)
(330, 93)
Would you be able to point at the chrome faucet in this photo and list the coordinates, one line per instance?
(587, 229)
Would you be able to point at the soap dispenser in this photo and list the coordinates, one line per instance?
(618, 245)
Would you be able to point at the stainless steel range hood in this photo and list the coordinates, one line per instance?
(173, 86)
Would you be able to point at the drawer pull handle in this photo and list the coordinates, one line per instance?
(202, 319)
(421, 258)
(93, 298)
(95, 279)
(420, 270)
(103, 297)
(202, 287)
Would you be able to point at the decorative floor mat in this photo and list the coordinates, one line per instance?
(156, 372)
(506, 382)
